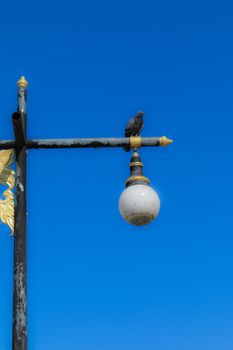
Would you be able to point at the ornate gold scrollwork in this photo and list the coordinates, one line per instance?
(7, 158)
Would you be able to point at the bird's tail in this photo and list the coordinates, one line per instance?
(127, 148)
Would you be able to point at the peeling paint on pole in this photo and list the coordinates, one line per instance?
(82, 142)
(19, 335)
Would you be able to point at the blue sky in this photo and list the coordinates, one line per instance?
(95, 282)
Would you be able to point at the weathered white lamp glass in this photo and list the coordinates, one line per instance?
(139, 204)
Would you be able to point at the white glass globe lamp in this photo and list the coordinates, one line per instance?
(139, 204)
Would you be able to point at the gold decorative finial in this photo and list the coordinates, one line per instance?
(22, 82)
(165, 141)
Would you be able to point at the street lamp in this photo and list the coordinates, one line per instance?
(139, 204)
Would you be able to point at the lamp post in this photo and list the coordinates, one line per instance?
(139, 204)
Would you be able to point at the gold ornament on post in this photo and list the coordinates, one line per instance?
(165, 141)
(135, 142)
(7, 158)
(22, 82)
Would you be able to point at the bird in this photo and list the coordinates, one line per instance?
(134, 127)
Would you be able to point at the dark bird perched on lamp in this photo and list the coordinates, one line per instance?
(134, 127)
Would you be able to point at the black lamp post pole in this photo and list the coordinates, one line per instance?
(20, 282)
(20, 145)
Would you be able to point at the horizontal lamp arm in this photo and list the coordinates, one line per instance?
(90, 142)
